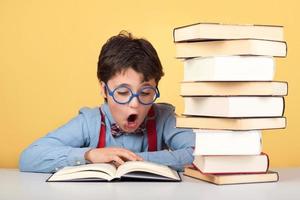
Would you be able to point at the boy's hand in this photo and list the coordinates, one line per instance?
(111, 154)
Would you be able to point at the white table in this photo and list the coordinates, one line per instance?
(30, 186)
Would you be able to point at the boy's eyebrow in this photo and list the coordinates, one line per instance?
(125, 84)
(146, 84)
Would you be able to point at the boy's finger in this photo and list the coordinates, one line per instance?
(140, 158)
(129, 152)
(127, 155)
(117, 161)
(137, 157)
(132, 155)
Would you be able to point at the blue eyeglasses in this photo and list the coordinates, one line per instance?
(123, 94)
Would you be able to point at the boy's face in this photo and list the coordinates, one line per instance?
(128, 116)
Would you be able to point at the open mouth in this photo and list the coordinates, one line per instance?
(132, 118)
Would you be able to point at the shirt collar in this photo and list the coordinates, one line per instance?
(108, 116)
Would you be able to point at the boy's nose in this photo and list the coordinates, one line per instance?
(134, 102)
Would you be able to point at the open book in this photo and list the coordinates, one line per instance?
(129, 171)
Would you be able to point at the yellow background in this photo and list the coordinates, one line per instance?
(49, 51)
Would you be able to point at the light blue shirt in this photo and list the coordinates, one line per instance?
(67, 145)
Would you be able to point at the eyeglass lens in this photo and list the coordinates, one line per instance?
(146, 95)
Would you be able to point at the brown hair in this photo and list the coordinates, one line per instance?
(123, 51)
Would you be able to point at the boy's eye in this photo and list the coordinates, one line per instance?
(123, 93)
(144, 93)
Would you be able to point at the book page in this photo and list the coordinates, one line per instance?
(144, 166)
(99, 170)
(81, 176)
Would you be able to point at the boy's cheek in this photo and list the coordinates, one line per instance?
(117, 110)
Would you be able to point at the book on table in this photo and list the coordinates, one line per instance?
(234, 106)
(233, 88)
(225, 179)
(229, 68)
(216, 31)
(243, 47)
(231, 164)
(129, 171)
(222, 142)
(218, 123)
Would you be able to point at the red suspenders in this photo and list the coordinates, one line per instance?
(102, 131)
(151, 131)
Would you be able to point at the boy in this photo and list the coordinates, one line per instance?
(128, 126)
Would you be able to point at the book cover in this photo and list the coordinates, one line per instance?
(233, 88)
(231, 164)
(239, 106)
(229, 68)
(221, 142)
(230, 48)
(215, 31)
(229, 179)
(218, 123)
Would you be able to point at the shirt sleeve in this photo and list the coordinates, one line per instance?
(180, 143)
(65, 146)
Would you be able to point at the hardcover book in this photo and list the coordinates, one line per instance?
(129, 171)
(252, 106)
(270, 176)
(229, 68)
(215, 31)
(218, 123)
(221, 142)
(234, 88)
(232, 164)
(244, 47)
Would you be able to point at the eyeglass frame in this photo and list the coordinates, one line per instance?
(111, 93)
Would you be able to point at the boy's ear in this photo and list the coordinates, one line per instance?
(102, 89)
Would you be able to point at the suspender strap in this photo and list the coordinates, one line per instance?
(151, 131)
(102, 132)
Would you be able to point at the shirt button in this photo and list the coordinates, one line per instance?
(78, 162)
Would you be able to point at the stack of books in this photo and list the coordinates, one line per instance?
(230, 96)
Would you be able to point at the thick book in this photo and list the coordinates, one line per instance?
(217, 123)
(232, 164)
(229, 68)
(129, 171)
(230, 48)
(227, 179)
(237, 106)
(222, 142)
(234, 88)
(216, 31)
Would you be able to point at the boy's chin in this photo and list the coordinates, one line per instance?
(131, 126)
